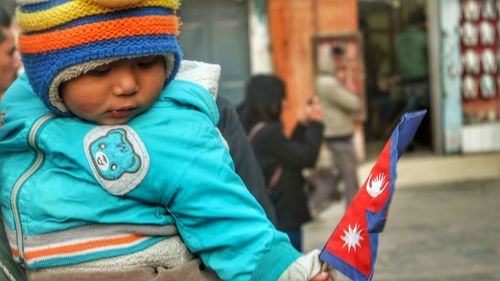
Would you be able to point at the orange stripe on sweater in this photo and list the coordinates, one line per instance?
(15, 252)
(79, 35)
(74, 248)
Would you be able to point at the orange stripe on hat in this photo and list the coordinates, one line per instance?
(56, 40)
(75, 248)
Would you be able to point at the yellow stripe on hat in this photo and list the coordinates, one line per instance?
(72, 10)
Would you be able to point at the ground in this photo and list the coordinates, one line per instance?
(436, 233)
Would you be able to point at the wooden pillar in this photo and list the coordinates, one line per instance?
(291, 30)
(292, 25)
(336, 15)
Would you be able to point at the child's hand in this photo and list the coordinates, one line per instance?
(323, 276)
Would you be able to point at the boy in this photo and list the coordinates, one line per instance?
(114, 202)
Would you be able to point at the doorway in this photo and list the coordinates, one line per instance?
(382, 23)
(216, 31)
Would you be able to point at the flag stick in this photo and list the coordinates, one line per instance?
(325, 267)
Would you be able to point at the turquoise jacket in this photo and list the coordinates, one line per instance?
(73, 192)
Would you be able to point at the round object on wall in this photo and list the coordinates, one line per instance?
(471, 10)
(469, 34)
(487, 86)
(489, 62)
(488, 10)
(469, 87)
(470, 62)
(487, 31)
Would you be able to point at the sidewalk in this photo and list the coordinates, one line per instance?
(418, 171)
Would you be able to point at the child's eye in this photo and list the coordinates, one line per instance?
(147, 61)
(100, 70)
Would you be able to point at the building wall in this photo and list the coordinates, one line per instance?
(258, 32)
(292, 25)
(336, 15)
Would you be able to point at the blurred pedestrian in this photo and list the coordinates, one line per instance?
(9, 58)
(413, 70)
(340, 106)
(411, 61)
(281, 158)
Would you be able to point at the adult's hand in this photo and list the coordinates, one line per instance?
(323, 276)
(314, 111)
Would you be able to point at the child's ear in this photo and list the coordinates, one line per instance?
(117, 3)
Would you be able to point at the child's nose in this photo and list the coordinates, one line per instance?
(127, 82)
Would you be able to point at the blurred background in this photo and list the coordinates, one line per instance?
(282, 37)
(248, 37)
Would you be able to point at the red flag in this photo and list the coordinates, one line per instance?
(352, 247)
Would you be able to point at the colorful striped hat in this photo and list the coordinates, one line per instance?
(62, 39)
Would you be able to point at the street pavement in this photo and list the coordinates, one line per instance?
(443, 232)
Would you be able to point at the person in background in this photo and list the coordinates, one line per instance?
(411, 61)
(340, 106)
(8, 5)
(281, 158)
(412, 67)
(9, 58)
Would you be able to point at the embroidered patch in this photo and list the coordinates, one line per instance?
(117, 157)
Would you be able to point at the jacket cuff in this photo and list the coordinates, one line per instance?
(275, 262)
(304, 268)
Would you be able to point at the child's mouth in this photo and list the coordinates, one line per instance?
(124, 111)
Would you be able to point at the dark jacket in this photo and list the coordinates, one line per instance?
(274, 149)
(244, 159)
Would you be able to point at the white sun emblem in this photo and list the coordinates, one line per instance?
(351, 237)
(374, 187)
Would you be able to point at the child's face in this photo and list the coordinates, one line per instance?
(115, 93)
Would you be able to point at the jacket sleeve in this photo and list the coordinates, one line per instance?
(220, 221)
(242, 153)
(332, 90)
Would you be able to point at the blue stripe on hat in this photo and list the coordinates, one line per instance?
(43, 67)
(31, 8)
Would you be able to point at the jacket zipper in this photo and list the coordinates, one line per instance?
(17, 186)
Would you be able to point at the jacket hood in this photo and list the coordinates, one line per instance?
(197, 77)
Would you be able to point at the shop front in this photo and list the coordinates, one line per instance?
(467, 33)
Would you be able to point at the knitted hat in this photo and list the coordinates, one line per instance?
(63, 39)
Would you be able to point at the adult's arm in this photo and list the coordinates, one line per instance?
(301, 154)
(331, 90)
